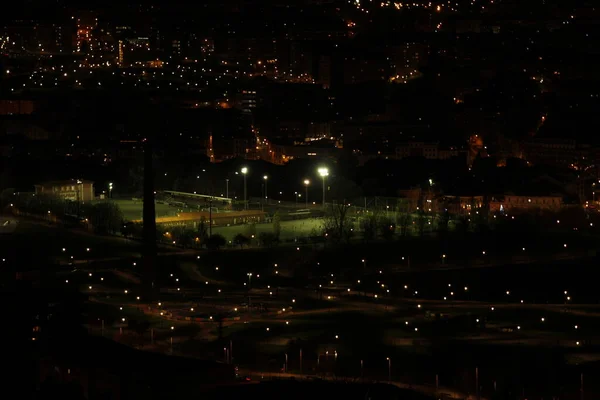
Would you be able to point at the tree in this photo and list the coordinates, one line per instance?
(403, 218)
(463, 224)
(161, 233)
(337, 223)
(369, 227)
(76, 208)
(387, 228)
(480, 215)
(421, 221)
(187, 238)
(106, 217)
(277, 225)
(267, 239)
(183, 236)
(132, 229)
(443, 222)
(241, 240)
(40, 204)
(215, 242)
(251, 230)
(202, 230)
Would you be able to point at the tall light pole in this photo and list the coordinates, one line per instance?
(210, 222)
(227, 188)
(389, 360)
(324, 172)
(249, 289)
(79, 196)
(245, 172)
(306, 183)
(110, 188)
(266, 178)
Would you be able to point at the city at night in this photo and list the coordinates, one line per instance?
(300, 199)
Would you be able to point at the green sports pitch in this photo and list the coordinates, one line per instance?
(132, 209)
(289, 229)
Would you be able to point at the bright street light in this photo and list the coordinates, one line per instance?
(306, 183)
(323, 172)
(266, 178)
(245, 172)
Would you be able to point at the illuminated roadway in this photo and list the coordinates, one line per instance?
(8, 225)
(428, 390)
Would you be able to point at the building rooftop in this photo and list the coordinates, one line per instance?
(65, 182)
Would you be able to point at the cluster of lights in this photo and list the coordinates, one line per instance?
(324, 173)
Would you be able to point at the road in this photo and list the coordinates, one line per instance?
(427, 390)
(121, 258)
(8, 225)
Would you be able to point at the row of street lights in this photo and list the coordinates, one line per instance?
(323, 172)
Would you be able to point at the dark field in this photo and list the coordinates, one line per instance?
(431, 318)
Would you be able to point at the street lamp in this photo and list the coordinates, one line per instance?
(306, 183)
(266, 178)
(110, 188)
(249, 289)
(389, 360)
(227, 188)
(324, 172)
(245, 172)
